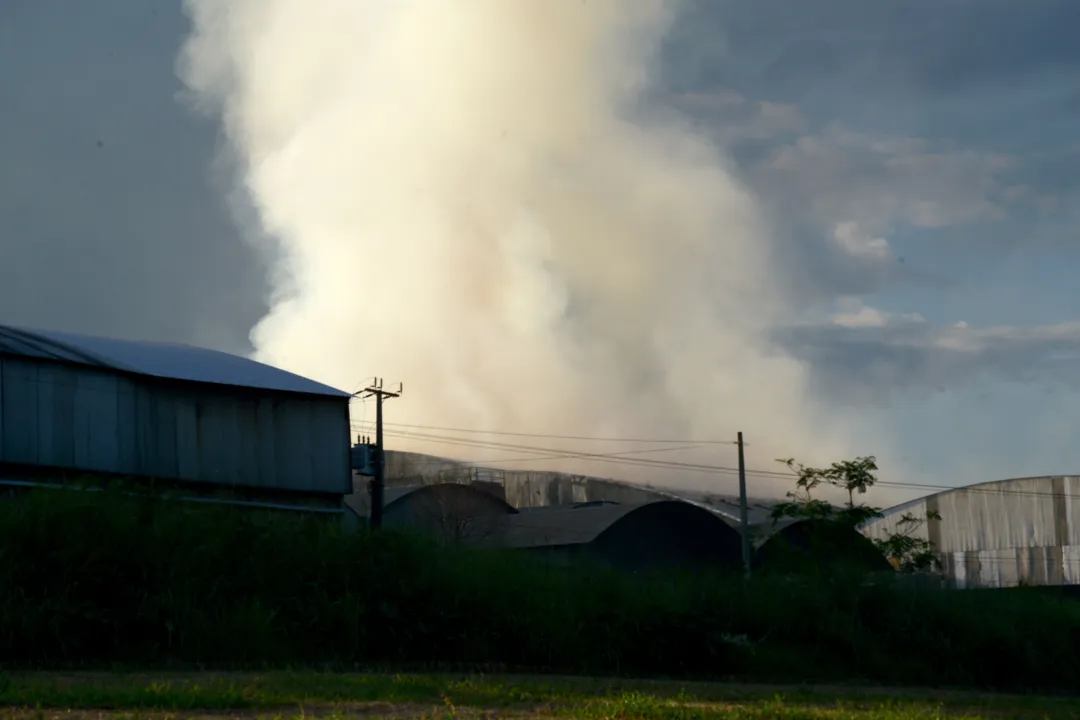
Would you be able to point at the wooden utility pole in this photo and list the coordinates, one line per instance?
(744, 512)
(378, 482)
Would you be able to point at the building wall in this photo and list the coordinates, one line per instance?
(523, 488)
(669, 534)
(86, 419)
(1002, 534)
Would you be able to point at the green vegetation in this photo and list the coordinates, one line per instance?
(100, 579)
(323, 695)
(906, 551)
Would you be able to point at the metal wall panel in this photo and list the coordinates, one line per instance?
(90, 419)
(96, 428)
(292, 437)
(266, 447)
(1014, 566)
(1001, 566)
(160, 440)
(985, 518)
(958, 571)
(245, 443)
(330, 436)
(1003, 534)
(216, 438)
(1072, 510)
(186, 411)
(55, 408)
(882, 527)
(133, 437)
(1070, 558)
(20, 410)
(44, 393)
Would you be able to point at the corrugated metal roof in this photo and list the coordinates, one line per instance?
(562, 525)
(762, 532)
(558, 526)
(163, 360)
(758, 509)
(360, 500)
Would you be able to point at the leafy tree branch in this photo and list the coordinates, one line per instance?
(907, 552)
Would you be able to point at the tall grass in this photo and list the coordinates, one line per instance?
(101, 579)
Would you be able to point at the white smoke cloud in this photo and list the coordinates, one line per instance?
(475, 198)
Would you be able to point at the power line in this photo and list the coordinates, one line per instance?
(565, 456)
(565, 453)
(584, 438)
(538, 453)
(556, 453)
(603, 457)
(600, 457)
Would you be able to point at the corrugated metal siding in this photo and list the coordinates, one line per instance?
(890, 523)
(1072, 510)
(88, 419)
(1003, 534)
(540, 489)
(1070, 560)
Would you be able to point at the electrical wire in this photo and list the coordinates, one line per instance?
(564, 456)
(600, 457)
(560, 437)
(558, 453)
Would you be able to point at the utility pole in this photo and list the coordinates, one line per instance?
(378, 483)
(744, 513)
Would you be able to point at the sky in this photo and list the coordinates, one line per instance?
(916, 161)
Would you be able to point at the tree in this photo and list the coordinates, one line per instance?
(852, 476)
(904, 550)
(908, 553)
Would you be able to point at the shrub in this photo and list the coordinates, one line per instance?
(96, 579)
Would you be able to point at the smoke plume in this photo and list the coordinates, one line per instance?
(487, 201)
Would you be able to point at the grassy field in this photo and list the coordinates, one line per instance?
(310, 695)
(95, 581)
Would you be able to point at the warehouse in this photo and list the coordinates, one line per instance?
(1024, 531)
(666, 533)
(808, 545)
(545, 488)
(73, 406)
(447, 512)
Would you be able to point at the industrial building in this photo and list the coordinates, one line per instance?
(810, 545)
(1023, 531)
(625, 525)
(545, 488)
(448, 512)
(665, 533)
(520, 488)
(73, 406)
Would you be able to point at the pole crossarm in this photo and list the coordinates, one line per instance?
(378, 482)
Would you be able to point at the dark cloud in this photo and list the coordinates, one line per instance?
(110, 217)
(869, 357)
(836, 198)
(930, 46)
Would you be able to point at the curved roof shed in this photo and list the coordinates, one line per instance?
(449, 512)
(1019, 531)
(638, 536)
(76, 404)
(807, 544)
